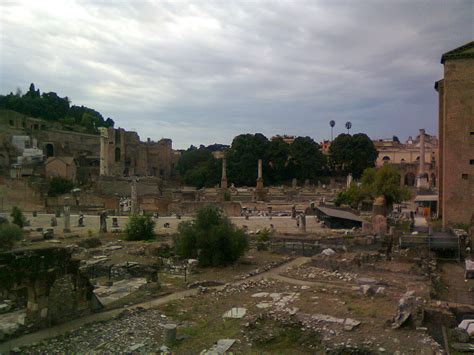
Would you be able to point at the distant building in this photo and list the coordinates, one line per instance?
(65, 167)
(407, 157)
(456, 136)
(325, 146)
(287, 139)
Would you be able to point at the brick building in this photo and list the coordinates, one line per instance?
(456, 136)
(123, 154)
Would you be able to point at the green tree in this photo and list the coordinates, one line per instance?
(382, 182)
(306, 159)
(140, 228)
(211, 238)
(17, 217)
(242, 158)
(199, 168)
(58, 186)
(352, 154)
(278, 153)
(9, 235)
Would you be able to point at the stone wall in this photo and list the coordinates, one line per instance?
(231, 209)
(457, 140)
(57, 291)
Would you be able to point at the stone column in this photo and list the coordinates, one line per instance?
(134, 196)
(103, 151)
(349, 180)
(67, 216)
(224, 174)
(259, 178)
(422, 151)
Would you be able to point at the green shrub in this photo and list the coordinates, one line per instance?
(211, 238)
(9, 235)
(59, 186)
(17, 217)
(263, 237)
(140, 228)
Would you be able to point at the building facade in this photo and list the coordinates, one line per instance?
(456, 136)
(407, 157)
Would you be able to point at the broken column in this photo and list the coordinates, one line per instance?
(134, 196)
(422, 180)
(259, 178)
(224, 174)
(103, 222)
(349, 180)
(169, 334)
(302, 224)
(67, 216)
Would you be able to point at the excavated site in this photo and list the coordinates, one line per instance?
(315, 290)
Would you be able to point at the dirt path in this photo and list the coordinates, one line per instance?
(104, 316)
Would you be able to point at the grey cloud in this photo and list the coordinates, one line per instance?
(203, 72)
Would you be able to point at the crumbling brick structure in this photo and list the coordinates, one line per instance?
(456, 136)
(56, 290)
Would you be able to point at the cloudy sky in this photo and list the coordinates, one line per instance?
(202, 72)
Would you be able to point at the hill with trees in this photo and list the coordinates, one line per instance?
(51, 107)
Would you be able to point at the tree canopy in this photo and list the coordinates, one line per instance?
(198, 167)
(306, 159)
(50, 106)
(352, 154)
(211, 238)
(243, 156)
(382, 182)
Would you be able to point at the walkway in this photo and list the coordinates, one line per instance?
(107, 315)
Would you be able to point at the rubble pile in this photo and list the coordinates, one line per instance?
(306, 272)
(137, 330)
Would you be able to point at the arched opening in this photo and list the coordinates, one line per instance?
(117, 155)
(386, 159)
(49, 150)
(433, 180)
(402, 160)
(410, 179)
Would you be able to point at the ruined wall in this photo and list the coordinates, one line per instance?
(231, 209)
(458, 141)
(56, 290)
(123, 154)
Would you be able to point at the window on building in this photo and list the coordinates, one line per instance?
(11, 123)
(464, 176)
(472, 133)
(471, 161)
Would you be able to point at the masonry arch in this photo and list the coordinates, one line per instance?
(49, 148)
(386, 159)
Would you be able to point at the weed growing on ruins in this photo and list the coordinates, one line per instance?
(211, 238)
(59, 185)
(263, 237)
(17, 217)
(9, 235)
(140, 228)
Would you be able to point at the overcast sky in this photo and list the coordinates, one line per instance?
(202, 72)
